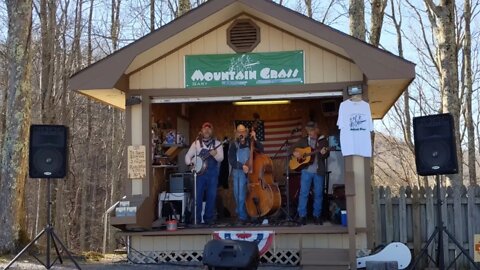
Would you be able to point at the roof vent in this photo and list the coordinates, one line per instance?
(243, 35)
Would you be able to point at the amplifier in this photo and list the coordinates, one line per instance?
(181, 182)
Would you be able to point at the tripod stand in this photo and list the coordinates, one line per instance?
(51, 238)
(440, 229)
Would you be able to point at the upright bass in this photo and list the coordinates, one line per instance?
(263, 197)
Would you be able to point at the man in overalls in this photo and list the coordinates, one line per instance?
(238, 155)
(207, 148)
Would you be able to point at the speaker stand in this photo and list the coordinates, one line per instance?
(52, 238)
(440, 229)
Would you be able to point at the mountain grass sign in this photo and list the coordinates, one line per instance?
(245, 69)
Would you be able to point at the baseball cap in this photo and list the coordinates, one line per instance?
(207, 124)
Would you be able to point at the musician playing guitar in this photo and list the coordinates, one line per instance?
(238, 155)
(206, 147)
(312, 172)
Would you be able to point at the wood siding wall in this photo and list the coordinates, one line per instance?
(282, 241)
(320, 65)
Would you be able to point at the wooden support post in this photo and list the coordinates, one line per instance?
(350, 197)
(358, 195)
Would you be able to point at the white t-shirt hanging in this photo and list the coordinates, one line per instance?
(355, 124)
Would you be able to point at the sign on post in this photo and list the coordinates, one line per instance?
(476, 248)
(244, 69)
(137, 165)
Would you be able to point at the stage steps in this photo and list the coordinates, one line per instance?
(324, 258)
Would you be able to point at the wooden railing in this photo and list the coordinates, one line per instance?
(410, 217)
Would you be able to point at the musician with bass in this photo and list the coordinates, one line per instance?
(238, 155)
(205, 149)
(311, 172)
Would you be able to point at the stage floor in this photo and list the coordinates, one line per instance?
(290, 228)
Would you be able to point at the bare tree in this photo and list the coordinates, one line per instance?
(48, 37)
(356, 13)
(3, 93)
(442, 18)
(152, 15)
(308, 5)
(64, 58)
(376, 21)
(115, 23)
(407, 120)
(183, 7)
(15, 146)
(468, 85)
(85, 172)
(402, 108)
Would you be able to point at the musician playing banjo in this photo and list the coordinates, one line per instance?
(314, 172)
(238, 155)
(205, 149)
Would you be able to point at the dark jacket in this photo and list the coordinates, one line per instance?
(224, 170)
(303, 142)
(232, 152)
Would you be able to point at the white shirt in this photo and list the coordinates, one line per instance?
(355, 124)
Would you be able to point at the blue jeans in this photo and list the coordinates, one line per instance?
(207, 185)
(240, 192)
(305, 183)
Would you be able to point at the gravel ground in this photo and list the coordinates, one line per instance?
(118, 265)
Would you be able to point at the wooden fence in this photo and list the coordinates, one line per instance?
(410, 218)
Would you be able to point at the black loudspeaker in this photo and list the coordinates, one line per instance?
(435, 149)
(48, 151)
(231, 254)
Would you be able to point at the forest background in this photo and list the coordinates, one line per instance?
(44, 42)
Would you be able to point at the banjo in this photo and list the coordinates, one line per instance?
(199, 162)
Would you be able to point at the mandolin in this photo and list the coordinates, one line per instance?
(305, 158)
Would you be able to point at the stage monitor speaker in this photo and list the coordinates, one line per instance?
(48, 151)
(435, 149)
(231, 254)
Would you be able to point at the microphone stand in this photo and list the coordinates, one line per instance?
(286, 144)
(194, 171)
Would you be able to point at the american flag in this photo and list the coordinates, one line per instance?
(273, 133)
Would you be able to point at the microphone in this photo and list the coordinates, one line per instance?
(295, 130)
(322, 137)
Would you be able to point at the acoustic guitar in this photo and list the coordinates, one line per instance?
(305, 158)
